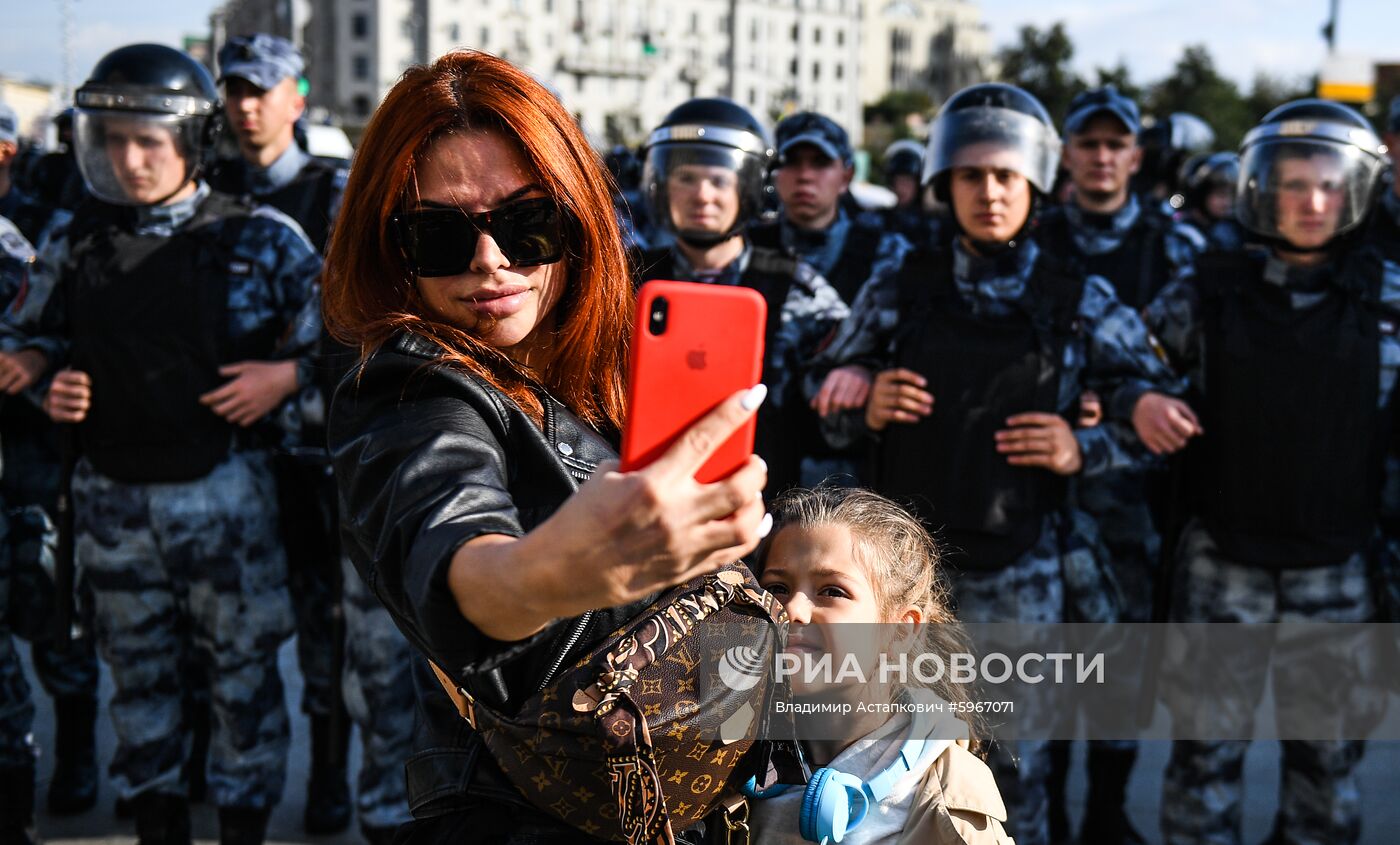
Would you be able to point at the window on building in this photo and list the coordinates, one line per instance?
(840, 38)
(361, 66)
(840, 71)
(361, 105)
(485, 35)
(817, 35)
(723, 24)
(694, 23)
(753, 30)
(816, 72)
(549, 7)
(406, 27)
(454, 33)
(792, 67)
(796, 32)
(753, 98)
(359, 25)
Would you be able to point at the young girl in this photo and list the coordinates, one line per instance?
(841, 556)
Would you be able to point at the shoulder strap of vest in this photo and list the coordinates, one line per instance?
(1221, 273)
(775, 271)
(765, 259)
(1059, 286)
(925, 277)
(1052, 233)
(862, 244)
(765, 234)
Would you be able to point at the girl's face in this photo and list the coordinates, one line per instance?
(509, 308)
(826, 592)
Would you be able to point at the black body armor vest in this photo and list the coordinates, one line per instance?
(980, 371)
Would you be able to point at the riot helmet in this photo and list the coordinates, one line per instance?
(992, 124)
(1166, 144)
(1204, 174)
(714, 141)
(1309, 173)
(147, 120)
(904, 157)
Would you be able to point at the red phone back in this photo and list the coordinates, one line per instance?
(712, 346)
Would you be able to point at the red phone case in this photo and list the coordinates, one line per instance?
(712, 346)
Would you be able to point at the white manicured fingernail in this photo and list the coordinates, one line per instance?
(754, 397)
(765, 526)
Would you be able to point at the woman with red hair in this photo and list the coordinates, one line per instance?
(478, 267)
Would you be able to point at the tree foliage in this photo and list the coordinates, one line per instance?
(1040, 63)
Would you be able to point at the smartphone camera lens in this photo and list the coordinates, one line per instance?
(659, 309)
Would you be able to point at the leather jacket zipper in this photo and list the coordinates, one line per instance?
(576, 634)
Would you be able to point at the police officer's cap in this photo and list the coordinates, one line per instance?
(262, 59)
(816, 130)
(1106, 100)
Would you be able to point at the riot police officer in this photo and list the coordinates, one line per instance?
(987, 345)
(16, 706)
(1285, 348)
(904, 167)
(706, 167)
(1208, 199)
(166, 314)
(1139, 248)
(1386, 225)
(27, 213)
(1166, 144)
(262, 79)
(812, 172)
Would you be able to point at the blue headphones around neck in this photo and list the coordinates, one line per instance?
(835, 803)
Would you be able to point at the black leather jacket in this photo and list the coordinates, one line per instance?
(426, 458)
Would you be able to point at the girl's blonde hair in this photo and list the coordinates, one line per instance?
(901, 559)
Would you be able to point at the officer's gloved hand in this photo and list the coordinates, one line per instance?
(69, 396)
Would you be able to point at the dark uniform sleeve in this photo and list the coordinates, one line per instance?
(421, 471)
(1174, 330)
(1122, 362)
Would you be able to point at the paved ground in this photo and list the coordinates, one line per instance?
(1380, 774)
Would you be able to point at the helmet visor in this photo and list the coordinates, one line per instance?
(987, 136)
(704, 190)
(1305, 191)
(136, 158)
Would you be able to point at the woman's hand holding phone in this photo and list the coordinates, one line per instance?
(631, 534)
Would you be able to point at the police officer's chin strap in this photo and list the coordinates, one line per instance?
(706, 240)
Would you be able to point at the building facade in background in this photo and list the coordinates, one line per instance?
(621, 65)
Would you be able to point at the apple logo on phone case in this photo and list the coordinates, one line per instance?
(695, 359)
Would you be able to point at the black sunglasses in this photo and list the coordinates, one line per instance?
(442, 241)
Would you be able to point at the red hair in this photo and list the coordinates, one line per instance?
(368, 294)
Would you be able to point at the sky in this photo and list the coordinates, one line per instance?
(1279, 37)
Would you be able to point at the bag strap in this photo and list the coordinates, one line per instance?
(465, 704)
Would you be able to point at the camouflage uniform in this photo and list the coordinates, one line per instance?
(825, 251)
(1202, 792)
(1118, 500)
(1110, 351)
(16, 705)
(374, 676)
(198, 562)
(378, 689)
